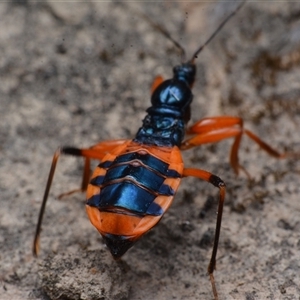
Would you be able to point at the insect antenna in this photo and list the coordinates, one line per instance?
(195, 55)
(164, 32)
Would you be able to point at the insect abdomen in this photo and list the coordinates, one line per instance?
(131, 190)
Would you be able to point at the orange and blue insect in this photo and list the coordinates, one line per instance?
(136, 180)
(135, 184)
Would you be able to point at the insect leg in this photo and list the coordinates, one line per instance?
(95, 152)
(85, 175)
(156, 82)
(215, 129)
(219, 183)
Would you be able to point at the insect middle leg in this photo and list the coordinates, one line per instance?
(97, 151)
(215, 129)
(219, 183)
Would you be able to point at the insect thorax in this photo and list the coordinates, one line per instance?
(165, 122)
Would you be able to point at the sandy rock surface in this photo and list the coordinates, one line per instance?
(79, 73)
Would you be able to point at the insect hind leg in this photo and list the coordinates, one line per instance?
(97, 151)
(57, 153)
(219, 183)
(45, 197)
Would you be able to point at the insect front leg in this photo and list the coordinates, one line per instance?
(156, 82)
(215, 129)
(97, 151)
(219, 183)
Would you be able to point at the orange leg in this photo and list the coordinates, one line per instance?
(217, 182)
(156, 82)
(95, 152)
(215, 129)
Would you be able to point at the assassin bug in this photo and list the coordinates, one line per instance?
(136, 180)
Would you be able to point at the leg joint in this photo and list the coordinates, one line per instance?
(216, 181)
(71, 151)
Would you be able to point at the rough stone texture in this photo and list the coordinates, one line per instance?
(92, 276)
(79, 73)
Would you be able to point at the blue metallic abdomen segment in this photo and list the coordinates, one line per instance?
(132, 182)
(126, 195)
(146, 177)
